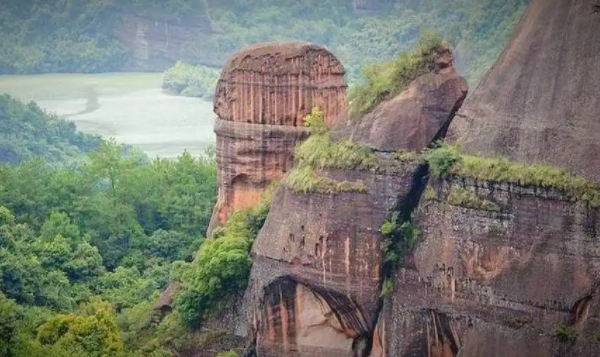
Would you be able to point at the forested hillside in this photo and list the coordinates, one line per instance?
(74, 36)
(29, 132)
(84, 251)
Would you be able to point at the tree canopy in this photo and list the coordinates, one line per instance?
(75, 36)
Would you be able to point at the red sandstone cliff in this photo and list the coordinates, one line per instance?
(262, 97)
(519, 280)
(541, 100)
(317, 262)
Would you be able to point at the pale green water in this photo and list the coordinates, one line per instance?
(127, 106)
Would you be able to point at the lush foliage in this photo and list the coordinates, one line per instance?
(565, 333)
(109, 229)
(221, 267)
(76, 36)
(319, 152)
(477, 30)
(28, 132)
(400, 236)
(385, 80)
(448, 160)
(191, 81)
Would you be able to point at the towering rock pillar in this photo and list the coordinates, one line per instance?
(263, 95)
(541, 100)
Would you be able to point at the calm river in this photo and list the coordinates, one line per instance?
(129, 107)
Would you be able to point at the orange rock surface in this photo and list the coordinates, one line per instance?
(262, 97)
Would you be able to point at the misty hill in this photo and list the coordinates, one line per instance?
(29, 132)
(109, 35)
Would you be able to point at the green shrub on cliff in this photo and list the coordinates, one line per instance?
(565, 333)
(448, 160)
(399, 238)
(305, 180)
(386, 80)
(221, 267)
(190, 80)
(319, 152)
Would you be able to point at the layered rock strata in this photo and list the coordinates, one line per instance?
(262, 97)
(541, 100)
(317, 262)
(497, 283)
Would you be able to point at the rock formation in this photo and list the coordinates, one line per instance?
(497, 282)
(416, 117)
(541, 100)
(512, 271)
(317, 262)
(262, 97)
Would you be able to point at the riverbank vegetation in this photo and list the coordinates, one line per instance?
(190, 80)
(73, 36)
(29, 132)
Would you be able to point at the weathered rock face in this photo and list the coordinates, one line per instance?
(317, 262)
(417, 116)
(495, 284)
(262, 97)
(155, 45)
(541, 100)
(316, 273)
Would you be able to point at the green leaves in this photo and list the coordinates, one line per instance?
(190, 80)
(93, 332)
(29, 132)
(221, 268)
(388, 79)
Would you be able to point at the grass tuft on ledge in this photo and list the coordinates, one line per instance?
(460, 196)
(448, 160)
(319, 152)
(382, 81)
(305, 180)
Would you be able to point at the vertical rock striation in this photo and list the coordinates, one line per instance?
(317, 262)
(541, 100)
(497, 282)
(262, 97)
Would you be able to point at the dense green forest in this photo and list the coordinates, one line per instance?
(84, 251)
(75, 36)
(91, 232)
(29, 132)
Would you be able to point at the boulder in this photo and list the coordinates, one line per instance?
(417, 116)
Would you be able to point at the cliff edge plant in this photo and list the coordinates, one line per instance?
(460, 196)
(447, 160)
(399, 238)
(386, 80)
(319, 152)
